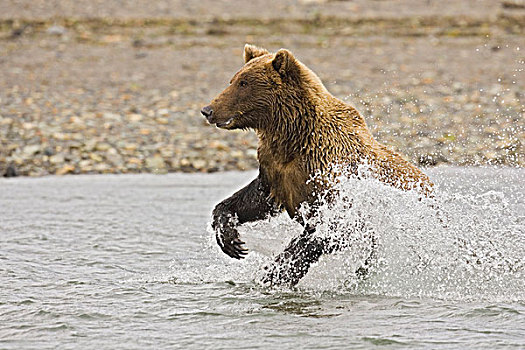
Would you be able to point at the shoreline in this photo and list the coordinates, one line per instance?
(109, 95)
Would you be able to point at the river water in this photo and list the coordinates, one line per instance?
(129, 262)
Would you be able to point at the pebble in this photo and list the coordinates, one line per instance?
(102, 146)
(426, 128)
(11, 171)
(57, 159)
(30, 150)
(56, 30)
(156, 164)
(119, 124)
(66, 169)
(199, 164)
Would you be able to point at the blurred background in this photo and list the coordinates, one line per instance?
(116, 86)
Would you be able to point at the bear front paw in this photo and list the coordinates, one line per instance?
(232, 247)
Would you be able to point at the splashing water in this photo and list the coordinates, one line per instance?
(465, 243)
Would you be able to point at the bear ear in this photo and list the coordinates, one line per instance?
(284, 62)
(252, 51)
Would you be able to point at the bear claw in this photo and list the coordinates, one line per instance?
(234, 249)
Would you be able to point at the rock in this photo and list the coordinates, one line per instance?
(199, 164)
(6, 121)
(131, 146)
(101, 167)
(85, 165)
(163, 111)
(162, 121)
(56, 30)
(28, 126)
(252, 153)
(11, 171)
(115, 159)
(134, 164)
(156, 164)
(57, 159)
(49, 151)
(311, 2)
(112, 116)
(219, 145)
(513, 4)
(66, 169)
(102, 146)
(90, 145)
(95, 157)
(30, 150)
(237, 154)
(134, 117)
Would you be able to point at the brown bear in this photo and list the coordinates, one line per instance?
(303, 131)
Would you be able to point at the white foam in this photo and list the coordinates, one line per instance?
(457, 245)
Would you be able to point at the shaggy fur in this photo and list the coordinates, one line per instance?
(303, 130)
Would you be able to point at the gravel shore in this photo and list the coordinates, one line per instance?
(119, 89)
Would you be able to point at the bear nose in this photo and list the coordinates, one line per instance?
(207, 112)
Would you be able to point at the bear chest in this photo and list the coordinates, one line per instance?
(288, 183)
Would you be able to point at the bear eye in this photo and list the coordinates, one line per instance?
(243, 83)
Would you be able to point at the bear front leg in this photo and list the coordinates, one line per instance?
(294, 262)
(249, 204)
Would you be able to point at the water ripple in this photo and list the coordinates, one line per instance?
(126, 262)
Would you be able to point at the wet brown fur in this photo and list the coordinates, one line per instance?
(303, 130)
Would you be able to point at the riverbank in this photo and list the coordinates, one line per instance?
(120, 92)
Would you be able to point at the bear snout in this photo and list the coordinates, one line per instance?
(207, 111)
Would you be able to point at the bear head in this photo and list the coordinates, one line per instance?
(257, 89)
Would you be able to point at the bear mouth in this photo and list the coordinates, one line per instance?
(224, 124)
